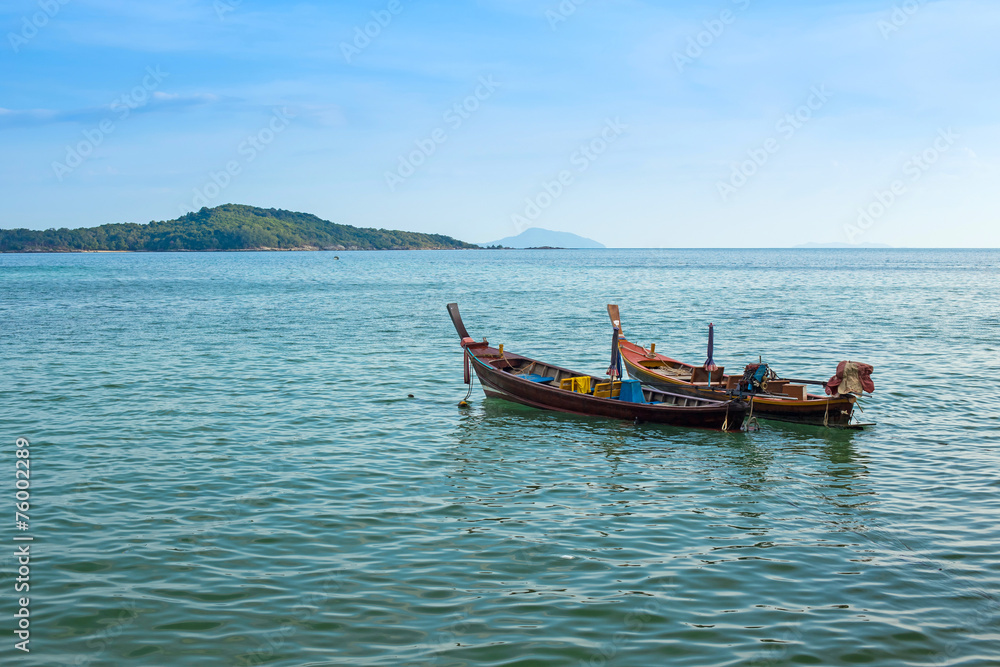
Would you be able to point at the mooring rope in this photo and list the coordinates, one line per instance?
(472, 378)
(751, 424)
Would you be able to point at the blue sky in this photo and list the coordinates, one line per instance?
(673, 124)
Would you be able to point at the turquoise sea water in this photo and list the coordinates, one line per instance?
(226, 469)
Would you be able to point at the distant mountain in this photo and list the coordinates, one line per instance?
(536, 237)
(843, 245)
(227, 227)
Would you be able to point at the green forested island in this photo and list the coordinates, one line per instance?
(227, 227)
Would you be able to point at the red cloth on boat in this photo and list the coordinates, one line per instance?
(853, 377)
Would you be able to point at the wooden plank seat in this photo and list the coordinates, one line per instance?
(796, 391)
(777, 386)
(579, 384)
(607, 389)
(700, 375)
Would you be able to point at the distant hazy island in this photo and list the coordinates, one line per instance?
(536, 237)
(227, 227)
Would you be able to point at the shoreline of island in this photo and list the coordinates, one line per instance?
(225, 228)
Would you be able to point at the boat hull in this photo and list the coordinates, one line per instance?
(832, 411)
(500, 384)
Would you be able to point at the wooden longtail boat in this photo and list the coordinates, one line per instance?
(531, 382)
(782, 400)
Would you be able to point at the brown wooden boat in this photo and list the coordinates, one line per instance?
(780, 399)
(531, 382)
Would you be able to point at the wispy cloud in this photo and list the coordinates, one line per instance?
(158, 101)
